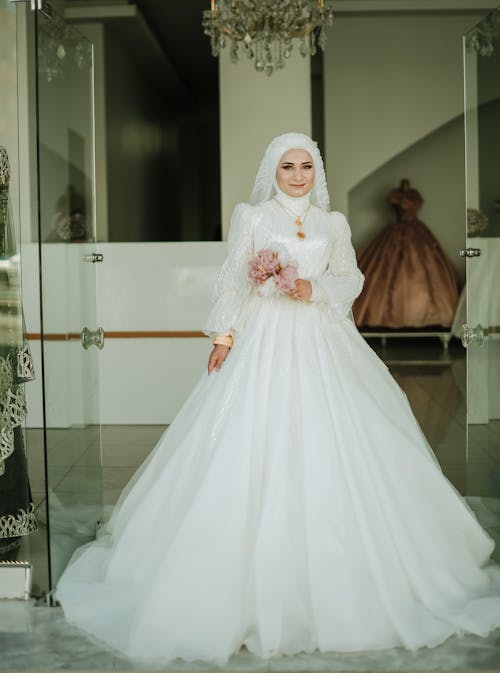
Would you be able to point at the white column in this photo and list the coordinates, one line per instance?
(254, 109)
(390, 81)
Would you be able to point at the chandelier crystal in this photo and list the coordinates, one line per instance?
(59, 47)
(265, 29)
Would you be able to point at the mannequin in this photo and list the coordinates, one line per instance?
(410, 281)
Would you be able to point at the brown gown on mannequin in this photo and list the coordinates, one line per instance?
(409, 281)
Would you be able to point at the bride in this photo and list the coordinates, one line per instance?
(293, 504)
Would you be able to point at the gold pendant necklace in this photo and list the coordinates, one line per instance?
(298, 219)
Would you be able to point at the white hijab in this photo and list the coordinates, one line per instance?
(265, 184)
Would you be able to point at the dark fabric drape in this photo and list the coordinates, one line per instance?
(17, 517)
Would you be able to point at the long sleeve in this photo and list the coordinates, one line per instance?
(342, 281)
(232, 288)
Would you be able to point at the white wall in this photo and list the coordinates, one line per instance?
(71, 393)
(153, 287)
(254, 109)
(483, 308)
(390, 82)
(436, 168)
(141, 287)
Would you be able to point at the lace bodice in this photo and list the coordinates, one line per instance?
(325, 257)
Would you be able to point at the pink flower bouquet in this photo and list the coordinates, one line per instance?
(273, 264)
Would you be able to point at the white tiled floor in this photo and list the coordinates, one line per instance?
(39, 638)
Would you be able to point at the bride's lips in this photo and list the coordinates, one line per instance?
(298, 186)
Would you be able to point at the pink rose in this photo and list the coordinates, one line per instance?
(285, 280)
(268, 263)
(263, 265)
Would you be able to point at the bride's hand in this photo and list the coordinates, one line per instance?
(217, 357)
(303, 290)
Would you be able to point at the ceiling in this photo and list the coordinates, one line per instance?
(166, 35)
(178, 28)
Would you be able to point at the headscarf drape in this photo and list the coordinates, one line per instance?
(264, 186)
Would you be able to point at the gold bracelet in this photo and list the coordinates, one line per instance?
(224, 340)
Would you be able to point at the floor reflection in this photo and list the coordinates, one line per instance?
(39, 638)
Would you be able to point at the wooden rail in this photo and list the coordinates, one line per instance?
(196, 334)
(162, 334)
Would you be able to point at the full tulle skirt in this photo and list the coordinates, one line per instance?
(293, 505)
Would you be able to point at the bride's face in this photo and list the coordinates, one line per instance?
(295, 173)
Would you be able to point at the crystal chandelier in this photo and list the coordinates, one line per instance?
(482, 38)
(265, 29)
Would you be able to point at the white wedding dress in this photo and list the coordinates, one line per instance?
(294, 503)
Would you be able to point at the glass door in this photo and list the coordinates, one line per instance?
(481, 331)
(17, 516)
(70, 336)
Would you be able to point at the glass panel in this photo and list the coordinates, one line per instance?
(68, 283)
(482, 123)
(17, 519)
